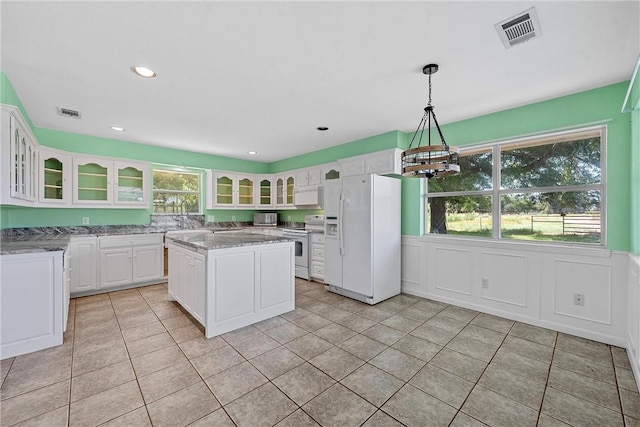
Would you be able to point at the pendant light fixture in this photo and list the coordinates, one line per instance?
(429, 161)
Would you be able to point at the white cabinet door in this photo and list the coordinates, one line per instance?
(54, 178)
(115, 267)
(32, 304)
(314, 176)
(351, 166)
(187, 280)
(235, 299)
(92, 181)
(383, 162)
(83, 274)
(245, 191)
(175, 272)
(197, 286)
(130, 183)
(19, 157)
(274, 271)
(265, 192)
(147, 263)
(224, 189)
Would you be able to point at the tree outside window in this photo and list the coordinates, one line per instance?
(547, 189)
(172, 188)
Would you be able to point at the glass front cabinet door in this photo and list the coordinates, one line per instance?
(92, 181)
(265, 196)
(280, 191)
(131, 184)
(55, 178)
(224, 189)
(245, 192)
(290, 188)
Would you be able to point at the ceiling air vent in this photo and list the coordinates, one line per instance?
(68, 112)
(520, 28)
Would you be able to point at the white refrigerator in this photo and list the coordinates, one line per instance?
(362, 237)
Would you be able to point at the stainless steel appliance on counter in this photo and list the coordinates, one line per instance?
(265, 219)
(301, 236)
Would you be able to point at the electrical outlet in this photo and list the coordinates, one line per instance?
(288, 217)
(485, 283)
(578, 299)
(85, 220)
(211, 218)
(233, 217)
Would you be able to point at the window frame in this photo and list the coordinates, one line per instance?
(497, 192)
(179, 169)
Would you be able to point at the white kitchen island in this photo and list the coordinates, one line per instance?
(230, 280)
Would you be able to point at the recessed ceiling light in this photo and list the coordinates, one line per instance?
(144, 72)
(117, 128)
(252, 152)
(322, 128)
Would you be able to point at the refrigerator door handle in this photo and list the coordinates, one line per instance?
(340, 222)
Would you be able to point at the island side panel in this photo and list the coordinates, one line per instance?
(248, 284)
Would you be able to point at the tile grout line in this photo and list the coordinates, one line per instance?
(546, 383)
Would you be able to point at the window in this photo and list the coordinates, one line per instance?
(538, 189)
(173, 188)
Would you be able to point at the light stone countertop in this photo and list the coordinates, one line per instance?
(209, 241)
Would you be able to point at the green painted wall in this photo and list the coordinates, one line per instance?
(327, 155)
(17, 216)
(87, 144)
(9, 96)
(633, 100)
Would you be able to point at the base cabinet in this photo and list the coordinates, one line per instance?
(187, 280)
(130, 259)
(248, 284)
(230, 288)
(317, 257)
(83, 264)
(31, 302)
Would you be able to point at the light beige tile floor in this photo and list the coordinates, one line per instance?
(133, 358)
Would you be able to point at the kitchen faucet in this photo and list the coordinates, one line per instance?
(184, 213)
(184, 208)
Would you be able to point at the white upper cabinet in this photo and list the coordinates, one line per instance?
(54, 178)
(385, 162)
(307, 177)
(330, 171)
(102, 181)
(19, 160)
(231, 190)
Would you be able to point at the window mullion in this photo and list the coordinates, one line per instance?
(496, 176)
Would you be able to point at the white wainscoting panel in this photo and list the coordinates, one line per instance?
(453, 270)
(592, 280)
(506, 278)
(413, 261)
(527, 282)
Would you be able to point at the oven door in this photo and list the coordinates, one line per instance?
(301, 245)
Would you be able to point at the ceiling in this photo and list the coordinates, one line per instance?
(262, 76)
